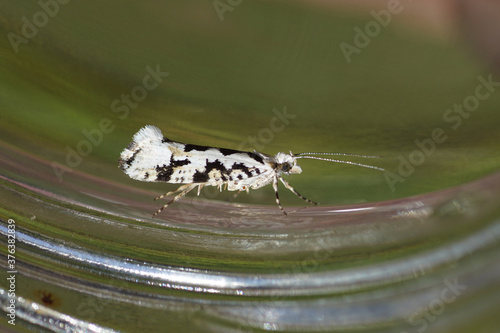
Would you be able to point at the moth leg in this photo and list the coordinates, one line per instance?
(288, 186)
(181, 188)
(200, 186)
(237, 193)
(184, 190)
(275, 187)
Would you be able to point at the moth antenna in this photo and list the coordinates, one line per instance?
(345, 162)
(341, 154)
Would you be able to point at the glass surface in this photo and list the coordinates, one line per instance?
(412, 248)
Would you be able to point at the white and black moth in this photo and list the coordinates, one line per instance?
(151, 157)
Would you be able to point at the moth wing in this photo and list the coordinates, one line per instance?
(154, 158)
(213, 166)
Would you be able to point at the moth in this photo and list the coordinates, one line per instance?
(151, 157)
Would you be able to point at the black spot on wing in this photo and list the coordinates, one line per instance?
(125, 164)
(178, 163)
(203, 177)
(217, 165)
(242, 167)
(190, 147)
(165, 140)
(200, 177)
(253, 156)
(225, 151)
(256, 157)
(165, 172)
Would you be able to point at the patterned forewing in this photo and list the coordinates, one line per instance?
(208, 165)
(154, 158)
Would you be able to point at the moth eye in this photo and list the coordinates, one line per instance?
(286, 167)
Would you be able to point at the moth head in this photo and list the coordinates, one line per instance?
(287, 164)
